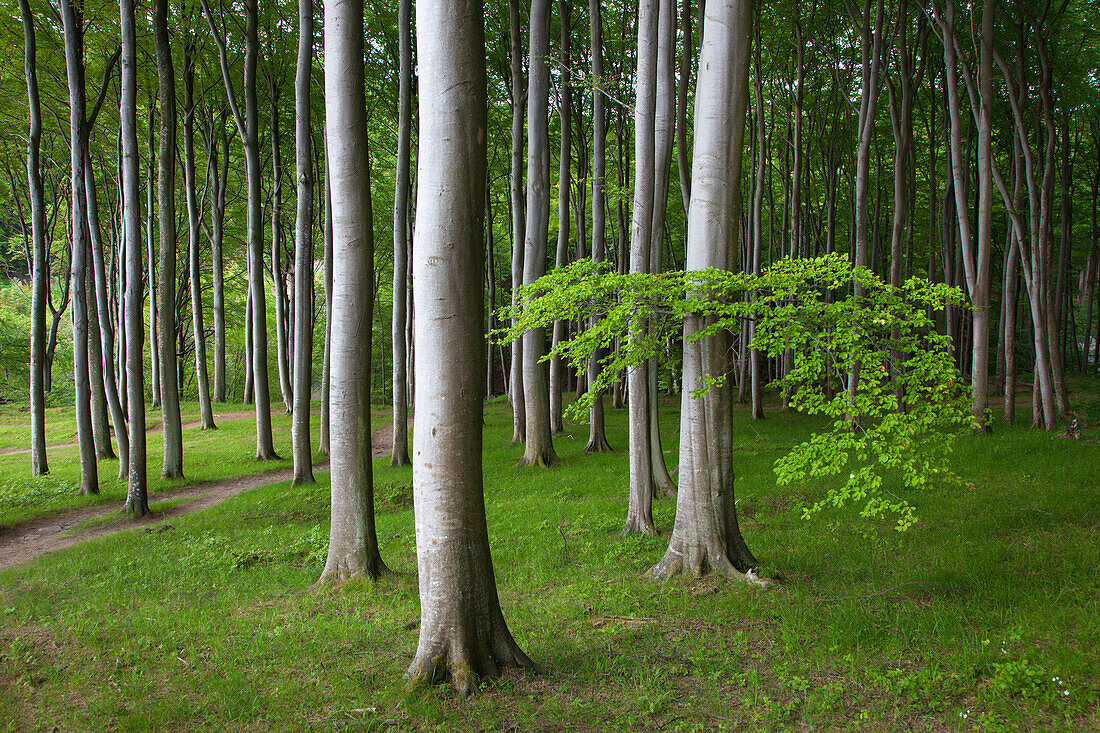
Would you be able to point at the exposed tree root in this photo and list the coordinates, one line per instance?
(701, 562)
(464, 663)
(598, 445)
(370, 567)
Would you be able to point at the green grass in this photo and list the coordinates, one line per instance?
(982, 616)
(208, 456)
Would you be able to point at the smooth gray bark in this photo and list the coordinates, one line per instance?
(539, 448)
(399, 453)
(519, 219)
(194, 258)
(640, 503)
(565, 11)
(278, 274)
(137, 498)
(706, 536)
(40, 272)
(150, 254)
(353, 544)
(73, 21)
(166, 286)
(463, 635)
(597, 434)
(248, 129)
(303, 250)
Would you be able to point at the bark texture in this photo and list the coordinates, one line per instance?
(463, 635)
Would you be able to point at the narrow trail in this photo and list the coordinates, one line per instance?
(151, 430)
(24, 542)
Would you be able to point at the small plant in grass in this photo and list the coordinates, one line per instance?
(896, 427)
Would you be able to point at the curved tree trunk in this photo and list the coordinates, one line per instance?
(706, 535)
(463, 635)
(353, 544)
(74, 67)
(39, 462)
(166, 287)
(303, 250)
(399, 454)
(539, 449)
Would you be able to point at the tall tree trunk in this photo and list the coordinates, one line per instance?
(519, 219)
(756, 373)
(166, 287)
(399, 454)
(303, 250)
(73, 21)
(248, 129)
(353, 543)
(640, 504)
(706, 535)
(105, 331)
(278, 275)
(137, 497)
(463, 635)
(326, 365)
(40, 271)
(194, 259)
(219, 168)
(565, 9)
(150, 256)
(101, 428)
(539, 448)
(597, 434)
(663, 134)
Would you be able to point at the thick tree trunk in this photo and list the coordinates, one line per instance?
(353, 544)
(463, 635)
(539, 448)
(303, 250)
(640, 504)
(73, 21)
(194, 258)
(40, 270)
(706, 536)
(137, 498)
(399, 454)
(166, 287)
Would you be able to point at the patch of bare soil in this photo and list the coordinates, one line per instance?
(24, 542)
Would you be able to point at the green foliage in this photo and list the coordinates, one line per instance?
(897, 428)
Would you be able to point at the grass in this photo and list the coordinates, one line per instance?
(224, 453)
(985, 615)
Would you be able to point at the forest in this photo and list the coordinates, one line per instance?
(628, 365)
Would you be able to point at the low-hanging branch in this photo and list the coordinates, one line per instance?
(896, 429)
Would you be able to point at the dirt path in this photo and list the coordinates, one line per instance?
(151, 430)
(24, 542)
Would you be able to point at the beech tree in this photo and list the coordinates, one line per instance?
(353, 544)
(399, 454)
(463, 635)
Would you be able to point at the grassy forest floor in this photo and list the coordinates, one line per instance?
(985, 615)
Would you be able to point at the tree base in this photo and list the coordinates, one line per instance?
(304, 479)
(699, 563)
(399, 458)
(342, 570)
(598, 445)
(638, 525)
(463, 664)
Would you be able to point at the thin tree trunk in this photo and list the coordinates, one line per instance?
(150, 257)
(40, 271)
(73, 21)
(565, 10)
(194, 259)
(137, 499)
(399, 453)
(519, 219)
